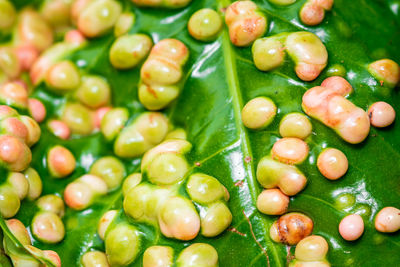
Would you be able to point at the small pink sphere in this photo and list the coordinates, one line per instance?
(312, 14)
(74, 37)
(290, 150)
(99, 114)
(53, 257)
(6, 111)
(27, 55)
(15, 93)
(351, 227)
(381, 114)
(59, 129)
(14, 152)
(15, 127)
(338, 84)
(37, 109)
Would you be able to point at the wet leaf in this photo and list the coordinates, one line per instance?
(221, 79)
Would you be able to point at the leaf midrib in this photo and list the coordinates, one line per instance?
(237, 104)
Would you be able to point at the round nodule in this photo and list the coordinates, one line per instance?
(312, 248)
(290, 150)
(381, 114)
(95, 259)
(258, 113)
(61, 162)
(272, 202)
(332, 163)
(158, 256)
(205, 24)
(48, 227)
(291, 228)
(388, 220)
(198, 254)
(351, 227)
(295, 125)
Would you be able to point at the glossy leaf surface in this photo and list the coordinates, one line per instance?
(221, 79)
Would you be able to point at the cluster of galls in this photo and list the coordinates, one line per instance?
(154, 197)
(197, 254)
(18, 134)
(105, 175)
(281, 178)
(278, 173)
(157, 199)
(246, 24)
(24, 254)
(312, 12)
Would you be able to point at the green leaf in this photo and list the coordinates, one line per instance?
(221, 79)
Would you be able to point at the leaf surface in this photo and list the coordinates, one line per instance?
(220, 79)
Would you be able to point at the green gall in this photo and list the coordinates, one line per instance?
(158, 256)
(94, 91)
(177, 134)
(8, 14)
(51, 203)
(336, 70)
(312, 248)
(9, 202)
(33, 30)
(345, 201)
(205, 189)
(129, 50)
(122, 245)
(161, 74)
(124, 23)
(282, 2)
(63, 77)
(309, 54)
(205, 25)
(110, 169)
(105, 222)
(48, 227)
(78, 118)
(216, 219)
(288, 178)
(18, 229)
(95, 259)
(178, 219)
(130, 182)
(148, 130)
(258, 113)
(268, 53)
(19, 183)
(98, 17)
(156, 97)
(35, 183)
(113, 122)
(386, 71)
(9, 63)
(56, 13)
(295, 125)
(198, 254)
